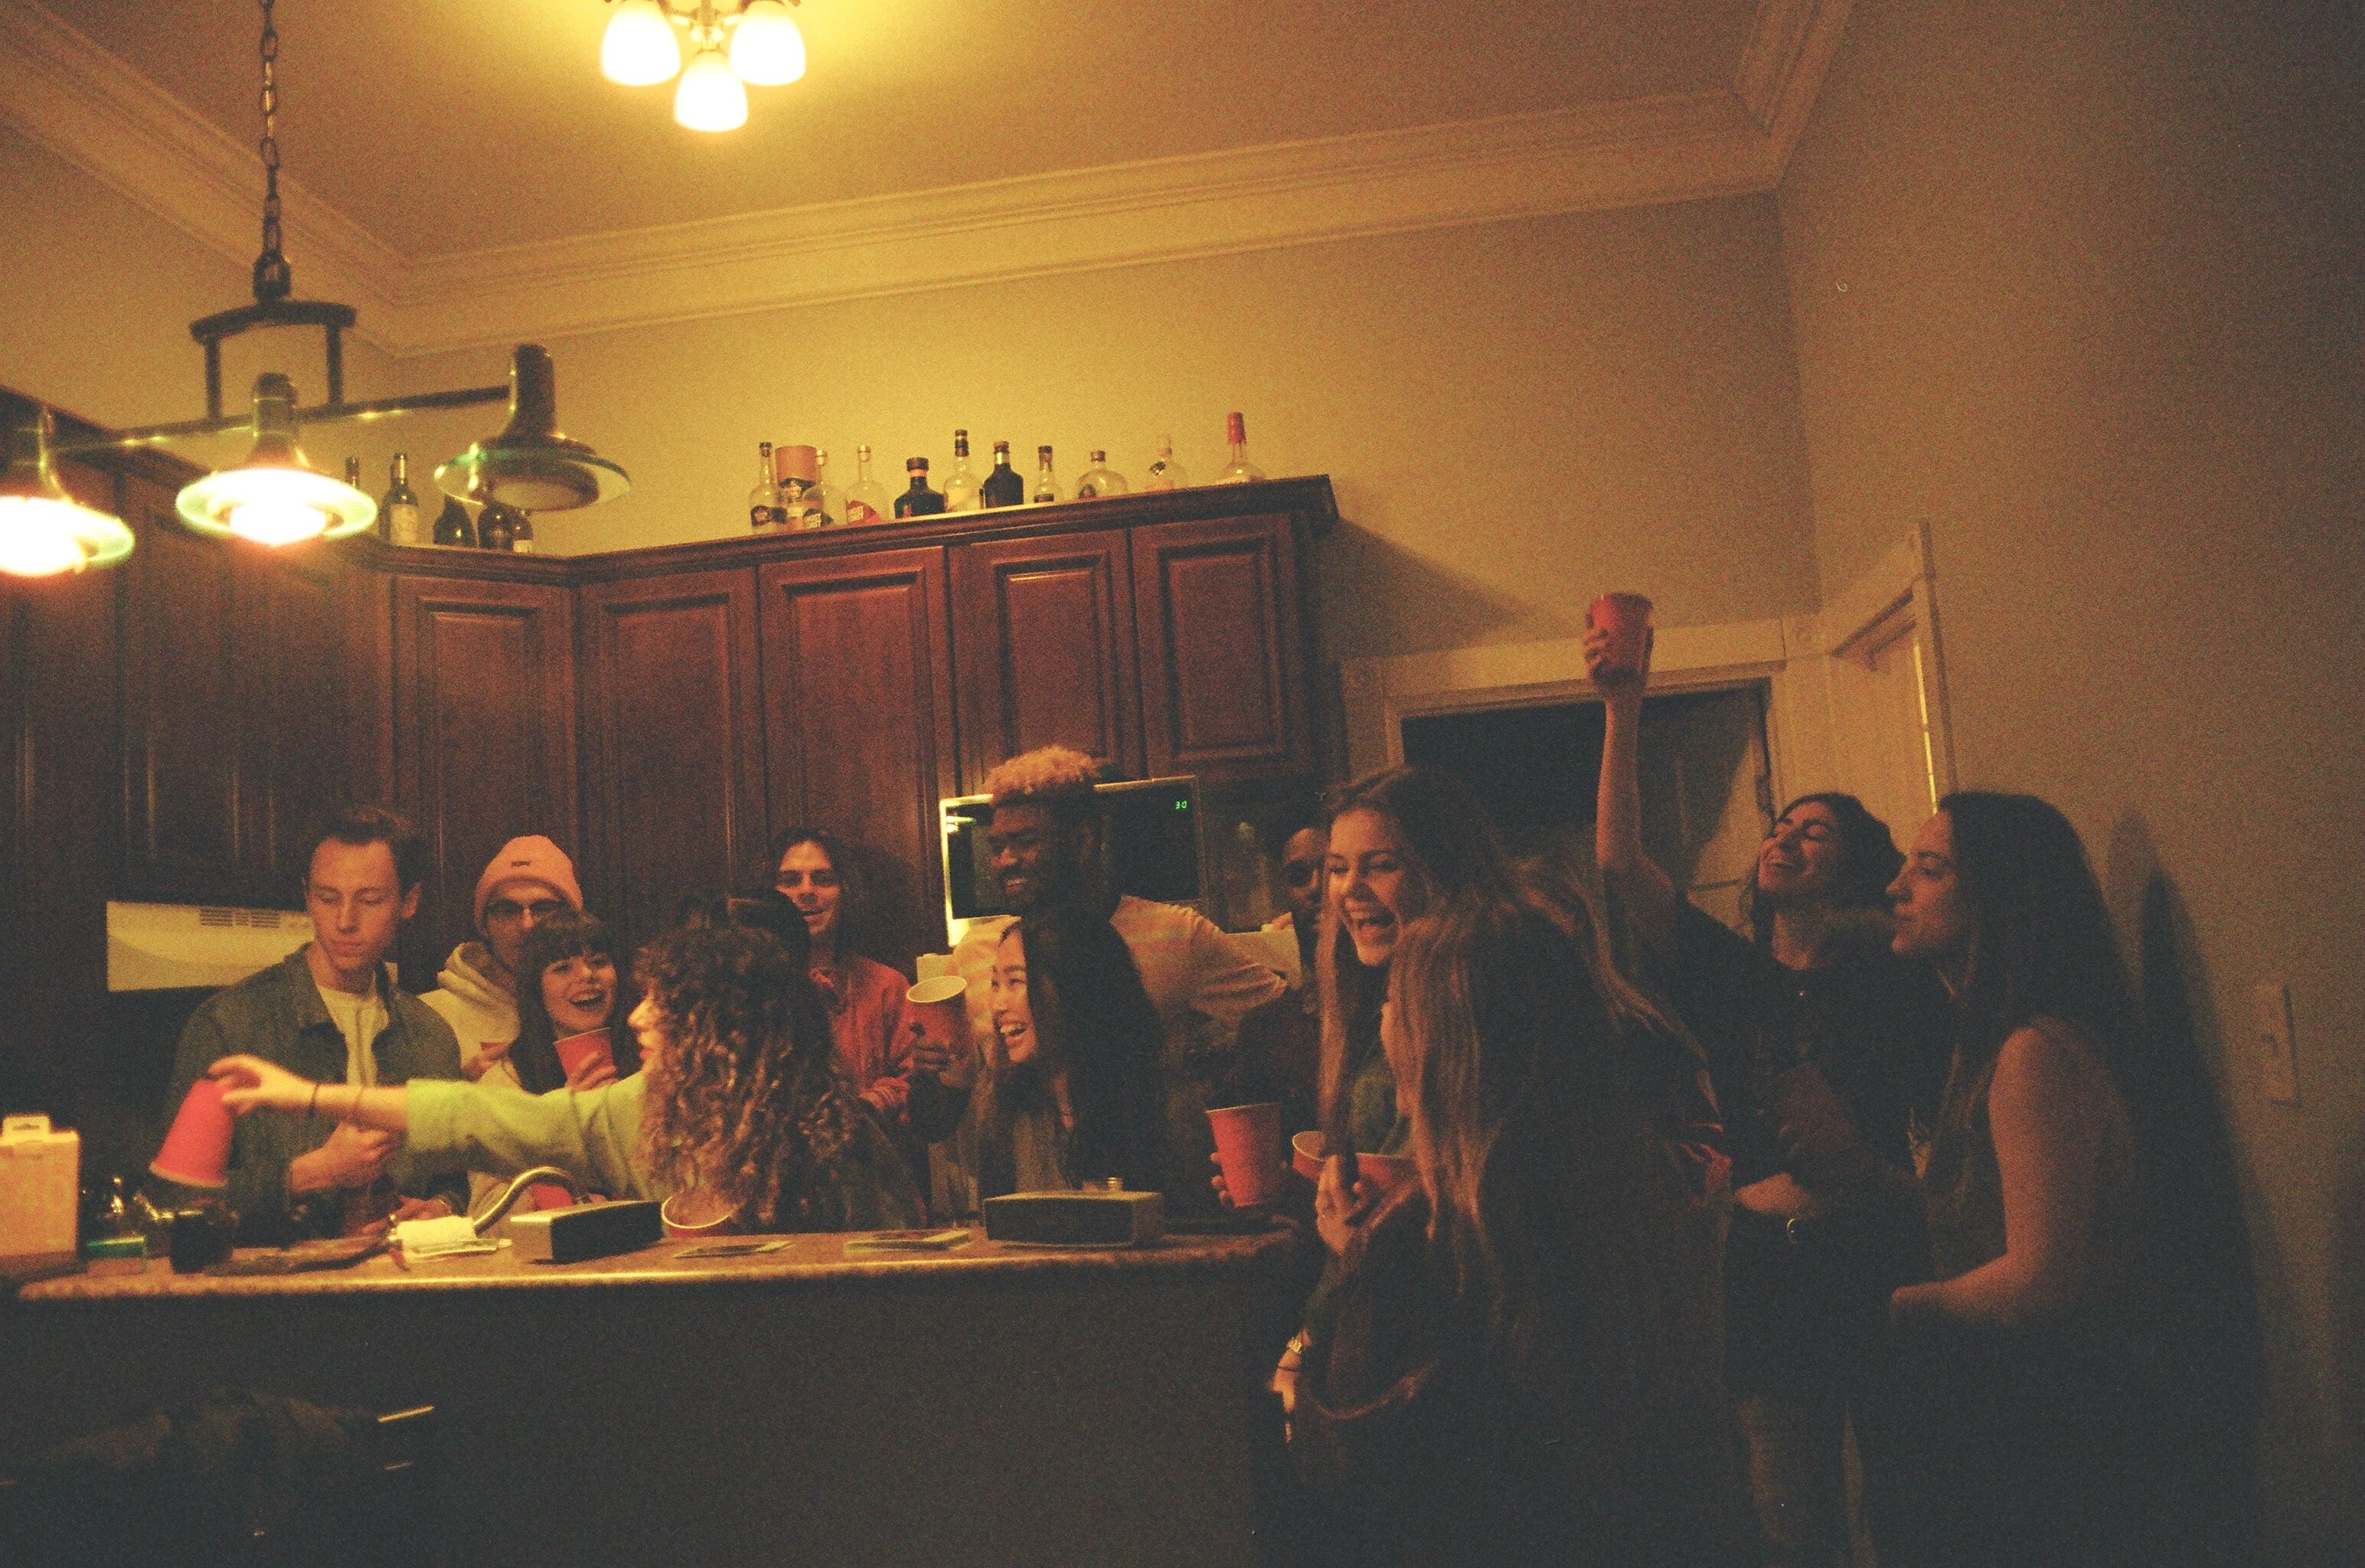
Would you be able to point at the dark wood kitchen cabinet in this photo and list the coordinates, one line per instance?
(1221, 629)
(1043, 646)
(858, 722)
(234, 709)
(484, 736)
(673, 743)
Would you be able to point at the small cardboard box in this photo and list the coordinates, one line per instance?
(40, 1183)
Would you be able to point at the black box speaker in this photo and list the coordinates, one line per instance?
(1090, 1218)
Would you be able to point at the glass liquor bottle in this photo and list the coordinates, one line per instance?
(919, 500)
(400, 506)
(453, 527)
(1100, 479)
(764, 507)
(521, 531)
(824, 503)
(1165, 474)
(1003, 488)
(1242, 471)
(495, 526)
(354, 482)
(866, 498)
(960, 485)
(1047, 482)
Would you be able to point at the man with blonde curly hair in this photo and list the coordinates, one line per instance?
(1046, 843)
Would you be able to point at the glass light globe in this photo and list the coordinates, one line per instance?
(277, 521)
(37, 538)
(639, 50)
(766, 47)
(709, 96)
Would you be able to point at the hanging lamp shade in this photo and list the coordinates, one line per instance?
(710, 96)
(530, 465)
(275, 497)
(767, 51)
(638, 49)
(43, 529)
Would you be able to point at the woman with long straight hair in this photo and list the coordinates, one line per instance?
(2025, 1396)
(569, 984)
(1506, 1369)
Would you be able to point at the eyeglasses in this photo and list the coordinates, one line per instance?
(506, 911)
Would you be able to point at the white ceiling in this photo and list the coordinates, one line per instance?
(445, 126)
(931, 142)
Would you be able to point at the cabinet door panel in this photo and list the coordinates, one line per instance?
(1223, 673)
(180, 701)
(295, 750)
(484, 736)
(1043, 643)
(858, 728)
(673, 744)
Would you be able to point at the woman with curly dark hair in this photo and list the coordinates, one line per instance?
(738, 1097)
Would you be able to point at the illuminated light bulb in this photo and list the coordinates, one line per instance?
(278, 520)
(638, 49)
(766, 47)
(37, 538)
(709, 96)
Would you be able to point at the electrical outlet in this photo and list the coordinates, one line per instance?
(2270, 1011)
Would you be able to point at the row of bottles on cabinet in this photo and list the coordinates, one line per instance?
(493, 527)
(792, 488)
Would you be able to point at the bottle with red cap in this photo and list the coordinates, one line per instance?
(1242, 471)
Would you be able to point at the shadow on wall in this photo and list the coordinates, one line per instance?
(2206, 1282)
(1379, 598)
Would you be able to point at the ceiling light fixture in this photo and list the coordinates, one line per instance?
(275, 497)
(758, 45)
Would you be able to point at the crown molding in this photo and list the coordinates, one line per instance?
(1782, 60)
(1631, 153)
(62, 91)
(90, 108)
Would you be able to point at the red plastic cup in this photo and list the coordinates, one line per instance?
(692, 1214)
(548, 1196)
(1626, 617)
(938, 1006)
(196, 1152)
(576, 1049)
(1248, 1147)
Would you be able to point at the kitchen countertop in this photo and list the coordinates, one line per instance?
(807, 1260)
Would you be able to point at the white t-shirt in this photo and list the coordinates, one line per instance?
(360, 1016)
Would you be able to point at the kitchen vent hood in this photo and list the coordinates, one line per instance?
(172, 947)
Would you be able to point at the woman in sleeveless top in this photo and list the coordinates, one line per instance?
(2022, 1399)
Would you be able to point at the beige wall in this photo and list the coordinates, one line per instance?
(1516, 417)
(97, 295)
(2079, 286)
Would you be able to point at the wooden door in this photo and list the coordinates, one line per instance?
(181, 723)
(484, 737)
(1043, 647)
(1223, 668)
(294, 745)
(858, 723)
(673, 743)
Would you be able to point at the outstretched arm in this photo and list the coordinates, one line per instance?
(1646, 889)
(250, 1082)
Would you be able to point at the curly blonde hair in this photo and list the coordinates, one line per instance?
(1048, 773)
(746, 1100)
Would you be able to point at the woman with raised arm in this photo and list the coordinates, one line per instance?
(738, 1096)
(1824, 1047)
(1507, 1369)
(2023, 1396)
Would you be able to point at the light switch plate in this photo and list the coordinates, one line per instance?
(2271, 1011)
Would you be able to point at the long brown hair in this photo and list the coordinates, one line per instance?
(1511, 1065)
(534, 1054)
(747, 1100)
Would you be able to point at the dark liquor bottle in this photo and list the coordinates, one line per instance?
(495, 526)
(400, 506)
(919, 500)
(1003, 488)
(453, 527)
(1047, 484)
(522, 530)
